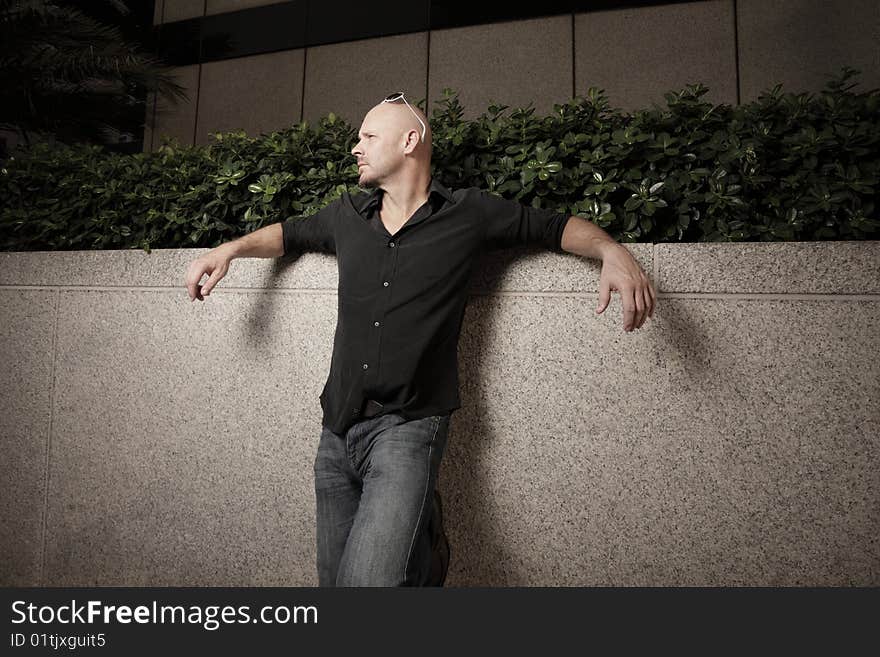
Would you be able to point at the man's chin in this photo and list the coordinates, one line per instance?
(367, 183)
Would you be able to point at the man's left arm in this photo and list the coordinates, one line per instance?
(620, 271)
(510, 223)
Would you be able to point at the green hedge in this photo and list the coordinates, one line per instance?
(785, 167)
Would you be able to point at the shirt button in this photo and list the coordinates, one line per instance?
(385, 283)
(375, 323)
(391, 244)
(365, 366)
(355, 410)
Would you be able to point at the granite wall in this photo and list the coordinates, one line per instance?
(733, 440)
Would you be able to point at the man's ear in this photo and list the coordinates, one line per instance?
(412, 140)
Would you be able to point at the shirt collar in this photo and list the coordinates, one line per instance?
(371, 200)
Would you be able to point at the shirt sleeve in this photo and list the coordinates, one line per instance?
(316, 232)
(510, 223)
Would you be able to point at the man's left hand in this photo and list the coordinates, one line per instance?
(621, 272)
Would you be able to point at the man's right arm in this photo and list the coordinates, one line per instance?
(267, 242)
(316, 232)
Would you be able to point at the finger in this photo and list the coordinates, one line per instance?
(629, 307)
(192, 280)
(641, 304)
(209, 285)
(604, 297)
(639, 319)
(646, 296)
(218, 273)
(194, 275)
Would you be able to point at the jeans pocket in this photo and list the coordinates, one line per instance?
(322, 453)
(440, 431)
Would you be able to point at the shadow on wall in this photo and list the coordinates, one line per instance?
(469, 488)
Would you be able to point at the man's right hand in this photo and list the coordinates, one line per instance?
(215, 263)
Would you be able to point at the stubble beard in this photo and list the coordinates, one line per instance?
(368, 182)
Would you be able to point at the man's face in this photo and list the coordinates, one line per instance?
(380, 151)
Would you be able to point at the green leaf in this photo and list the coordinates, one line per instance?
(743, 168)
(632, 203)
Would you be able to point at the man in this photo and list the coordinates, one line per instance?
(404, 254)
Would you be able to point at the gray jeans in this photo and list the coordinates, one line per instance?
(374, 490)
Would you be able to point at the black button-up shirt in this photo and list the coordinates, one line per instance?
(402, 297)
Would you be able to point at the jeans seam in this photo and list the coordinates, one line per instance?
(424, 503)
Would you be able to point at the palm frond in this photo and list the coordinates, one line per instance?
(62, 70)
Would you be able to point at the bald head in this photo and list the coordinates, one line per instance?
(390, 149)
(397, 119)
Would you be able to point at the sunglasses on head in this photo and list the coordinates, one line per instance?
(398, 95)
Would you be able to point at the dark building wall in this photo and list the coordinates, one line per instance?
(260, 66)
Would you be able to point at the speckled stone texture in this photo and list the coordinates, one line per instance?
(397, 63)
(27, 327)
(276, 76)
(512, 63)
(183, 438)
(802, 44)
(733, 440)
(627, 52)
(726, 443)
(164, 269)
(770, 268)
(536, 270)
